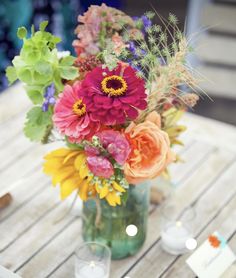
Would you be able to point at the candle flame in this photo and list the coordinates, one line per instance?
(92, 264)
(178, 224)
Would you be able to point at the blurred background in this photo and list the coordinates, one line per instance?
(210, 25)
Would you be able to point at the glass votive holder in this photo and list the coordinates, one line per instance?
(176, 233)
(92, 260)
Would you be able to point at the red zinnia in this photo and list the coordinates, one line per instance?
(112, 97)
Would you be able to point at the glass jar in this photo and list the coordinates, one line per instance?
(123, 228)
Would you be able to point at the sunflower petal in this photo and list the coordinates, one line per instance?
(68, 186)
(83, 190)
(72, 154)
(118, 187)
(111, 199)
(104, 191)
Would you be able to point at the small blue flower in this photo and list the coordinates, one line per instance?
(132, 47)
(146, 22)
(49, 97)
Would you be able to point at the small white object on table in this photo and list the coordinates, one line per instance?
(174, 237)
(92, 269)
(6, 273)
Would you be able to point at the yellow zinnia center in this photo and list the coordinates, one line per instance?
(114, 85)
(79, 108)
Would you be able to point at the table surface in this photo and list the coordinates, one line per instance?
(34, 244)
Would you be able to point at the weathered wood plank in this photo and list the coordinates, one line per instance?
(65, 269)
(213, 132)
(18, 167)
(27, 216)
(191, 158)
(190, 191)
(217, 201)
(219, 17)
(224, 222)
(11, 128)
(13, 101)
(218, 81)
(14, 150)
(39, 236)
(217, 49)
(28, 188)
(55, 252)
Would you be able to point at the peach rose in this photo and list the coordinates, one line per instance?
(151, 151)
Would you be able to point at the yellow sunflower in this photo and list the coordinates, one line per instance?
(69, 169)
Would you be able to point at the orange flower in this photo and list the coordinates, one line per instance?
(150, 150)
(214, 241)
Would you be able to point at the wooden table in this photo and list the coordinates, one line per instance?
(33, 244)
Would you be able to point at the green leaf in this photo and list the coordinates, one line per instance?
(25, 75)
(37, 117)
(33, 132)
(11, 74)
(57, 81)
(21, 33)
(37, 124)
(35, 93)
(43, 25)
(67, 61)
(68, 72)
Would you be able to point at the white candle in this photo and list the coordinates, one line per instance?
(91, 270)
(174, 238)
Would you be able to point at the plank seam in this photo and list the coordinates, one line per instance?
(221, 65)
(194, 168)
(27, 200)
(16, 159)
(62, 262)
(30, 226)
(47, 243)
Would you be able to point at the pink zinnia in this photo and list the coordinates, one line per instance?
(71, 116)
(116, 144)
(100, 166)
(112, 97)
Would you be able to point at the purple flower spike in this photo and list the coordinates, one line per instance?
(49, 97)
(45, 106)
(146, 22)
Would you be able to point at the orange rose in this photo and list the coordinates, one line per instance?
(150, 150)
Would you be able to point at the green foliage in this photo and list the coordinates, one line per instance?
(21, 32)
(38, 65)
(11, 74)
(38, 123)
(124, 197)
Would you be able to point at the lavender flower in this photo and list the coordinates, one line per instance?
(146, 22)
(49, 97)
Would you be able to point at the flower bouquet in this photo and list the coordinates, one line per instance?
(116, 106)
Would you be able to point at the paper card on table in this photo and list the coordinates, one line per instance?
(212, 258)
(6, 273)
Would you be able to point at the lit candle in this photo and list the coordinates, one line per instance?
(174, 237)
(91, 270)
